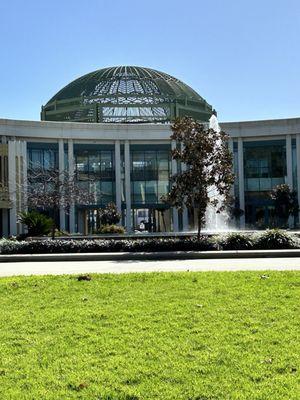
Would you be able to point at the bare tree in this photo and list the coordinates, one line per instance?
(51, 189)
(207, 177)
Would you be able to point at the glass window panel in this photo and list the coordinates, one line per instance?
(138, 165)
(36, 158)
(163, 175)
(151, 191)
(264, 161)
(94, 164)
(252, 184)
(163, 188)
(82, 163)
(150, 160)
(139, 191)
(265, 184)
(106, 164)
(106, 192)
(163, 160)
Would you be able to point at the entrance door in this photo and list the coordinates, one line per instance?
(151, 220)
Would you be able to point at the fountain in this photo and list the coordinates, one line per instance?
(215, 221)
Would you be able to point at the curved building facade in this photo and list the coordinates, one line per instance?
(111, 129)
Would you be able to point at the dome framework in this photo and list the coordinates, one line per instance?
(126, 94)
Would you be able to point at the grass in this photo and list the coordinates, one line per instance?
(192, 336)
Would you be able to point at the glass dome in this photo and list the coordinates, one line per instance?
(126, 94)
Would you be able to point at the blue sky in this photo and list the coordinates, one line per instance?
(242, 56)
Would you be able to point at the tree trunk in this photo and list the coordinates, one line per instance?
(53, 225)
(163, 219)
(53, 231)
(199, 224)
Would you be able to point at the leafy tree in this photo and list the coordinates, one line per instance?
(208, 177)
(234, 211)
(109, 215)
(285, 202)
(38, 224)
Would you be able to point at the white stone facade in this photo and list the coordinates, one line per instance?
(17, 134)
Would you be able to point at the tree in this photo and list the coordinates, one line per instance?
(51, 189)
(285, 202)
(207, 176)
(109, 215)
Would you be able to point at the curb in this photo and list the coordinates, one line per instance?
(164, 255)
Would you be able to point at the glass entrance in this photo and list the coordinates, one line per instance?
(151, 220)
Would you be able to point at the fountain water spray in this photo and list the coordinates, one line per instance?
(215, 221)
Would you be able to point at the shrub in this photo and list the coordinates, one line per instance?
(59, 233)
(235, 241)
(111, 229)
(275, 239)
(109, 215)
(104, 245)
(271, 239)
(37, 224)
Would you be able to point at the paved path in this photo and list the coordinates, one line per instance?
(76, 267)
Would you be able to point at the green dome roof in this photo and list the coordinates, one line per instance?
(126, 94)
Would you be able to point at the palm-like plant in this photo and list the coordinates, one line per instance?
(37, 224)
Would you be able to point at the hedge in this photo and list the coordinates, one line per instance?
(104, 245)
(269, 239)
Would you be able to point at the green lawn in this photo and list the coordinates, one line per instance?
(192, 336)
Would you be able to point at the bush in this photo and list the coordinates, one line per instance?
(104, 245)
(109, 215)
(275, 239)
(111, 229)
(59, 233)
(271, 239)
(235, 241)
(37, 224)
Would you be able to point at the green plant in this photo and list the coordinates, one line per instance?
(37, 224)
(111, 229)
(208, 162)
(104, 245)
(59, 233)
(235, 241)
(275, 239)
(109, 215)
(285, 202)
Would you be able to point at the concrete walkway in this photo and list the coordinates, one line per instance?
(123, 266)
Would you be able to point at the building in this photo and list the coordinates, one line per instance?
(111, 128)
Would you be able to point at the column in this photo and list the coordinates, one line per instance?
(231, 193)
(241, 181)
(4, 210)
(12, 186)
(23, 180)
(24, 177)
(71, 176)
(5, 222)
(19, 183)
(118, 182)
(174, 209)
(289, 170)
(61, 169)
(230, 148)
(127, 185)
(298, 169)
